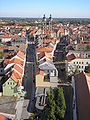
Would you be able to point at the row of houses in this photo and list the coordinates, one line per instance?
(77, 61)
(47, 74)
(12, 74)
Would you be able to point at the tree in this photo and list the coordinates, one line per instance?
(55, 108)
(73, 71)
(88, 48)
(1, 55)
(87, 69)
(31, 117)
(50, 108)
(60, 103)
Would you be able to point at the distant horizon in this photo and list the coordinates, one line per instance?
(48, 17)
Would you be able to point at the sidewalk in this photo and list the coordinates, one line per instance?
(18, 108)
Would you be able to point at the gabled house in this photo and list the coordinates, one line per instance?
(44, 49)
(13, 84)
(6, 38)
(50, 71)
(76, 62)
(10, 87)
(40, 79)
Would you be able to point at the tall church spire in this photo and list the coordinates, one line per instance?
(44, 23)
(44, 18)
(50, 22)
(50, 18)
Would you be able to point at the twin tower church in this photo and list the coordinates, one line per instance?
(47, 23)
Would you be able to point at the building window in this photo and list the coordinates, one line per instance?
(74, 62)
(79, 62)
(8, 83)
(82, 62)
(86, 62)
(89, 56)
(82, 66)
(79, 66)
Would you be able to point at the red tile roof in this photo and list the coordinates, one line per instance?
(47, 41)
(72, 57)
(17, 61)
(2, 117)
(6, 36)
(20, 54)
(17, 75)
(44, 49)
(19, 69)
(41, 72)
(42, 54)
(83, 96)
(49, 55)
(6, 61)
(62, 30)
(14, 77)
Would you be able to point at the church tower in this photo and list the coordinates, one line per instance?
(50, 23)
(44, 23)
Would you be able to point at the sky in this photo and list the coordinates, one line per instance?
(36, 8)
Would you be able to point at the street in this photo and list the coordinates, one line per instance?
(29, 81)
(60, 56)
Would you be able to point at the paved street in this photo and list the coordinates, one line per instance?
(60, 56)
(25, 113)
(68, 93)
(19, 108)
(29, 81)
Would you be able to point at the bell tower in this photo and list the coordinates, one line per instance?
(50, 23)
(44, 23)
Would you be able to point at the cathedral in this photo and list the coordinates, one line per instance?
(47, 24)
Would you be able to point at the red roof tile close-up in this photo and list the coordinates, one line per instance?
(18, 68)
(20, 54)
(44, 49)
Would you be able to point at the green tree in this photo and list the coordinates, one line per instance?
(1, 55)
(31, 117)
(60, 104)
(88, 48)
(87, 69)
(55, 108)
(73, 71)
(50, 108)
